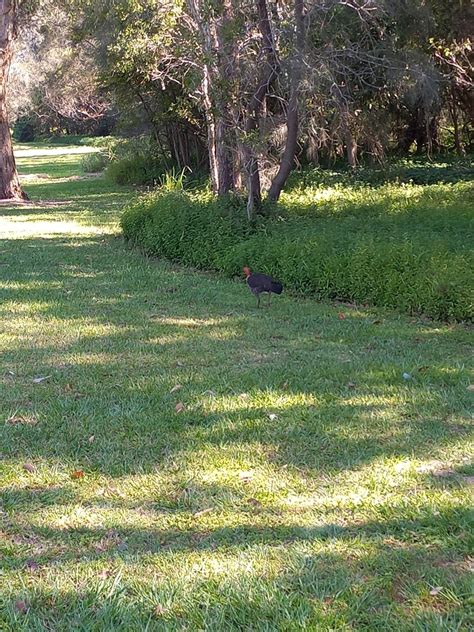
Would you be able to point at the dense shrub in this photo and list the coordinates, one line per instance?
(136, 162)
(24, 130)
(94, 162)
(401, 247)
(135, 169)
(193, 229)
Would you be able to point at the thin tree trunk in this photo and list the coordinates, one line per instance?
(454, 117)
(225, 171)
(349, 140)
(254, 109)
(292, 122)
(211, 129)
(214, 78)
(9, 183)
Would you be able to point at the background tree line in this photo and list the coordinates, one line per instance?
(248, 88)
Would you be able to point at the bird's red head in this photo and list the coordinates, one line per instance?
(246, 271)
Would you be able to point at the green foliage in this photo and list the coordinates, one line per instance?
(305, 485)
(94, 162)
(24, 130)
(173, 180)
(135, 162)
(193, 229)
(136, 169)
(397, 246)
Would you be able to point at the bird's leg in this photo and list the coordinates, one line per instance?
(258, 301)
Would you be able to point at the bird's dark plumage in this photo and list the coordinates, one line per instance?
(262, 283)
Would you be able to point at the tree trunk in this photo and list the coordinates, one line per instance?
(254, 109)
(9, 183)
(214, 80)
(349, 140)
(292, 125)
(453, 110)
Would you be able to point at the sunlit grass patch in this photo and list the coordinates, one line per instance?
(188, 462)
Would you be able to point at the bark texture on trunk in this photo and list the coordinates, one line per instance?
(453, 110)
(9, 183)
(349, 140)
(292, 118)
(215, 54)
(255, 106)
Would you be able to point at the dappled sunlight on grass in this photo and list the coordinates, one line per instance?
(383, 201)
(18, 229)
(25, 152)
(225, 464)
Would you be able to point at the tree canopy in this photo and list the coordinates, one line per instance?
(248, 88)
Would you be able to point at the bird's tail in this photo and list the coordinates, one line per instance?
(277, 288)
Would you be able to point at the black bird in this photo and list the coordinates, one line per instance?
(262, 283)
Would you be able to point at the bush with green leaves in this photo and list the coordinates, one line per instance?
(398, 246)
(25, 130)
(136, 162)
(94, 162)
(190, 228)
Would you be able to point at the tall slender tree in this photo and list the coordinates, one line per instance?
(9, 182)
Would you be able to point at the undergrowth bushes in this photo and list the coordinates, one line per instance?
(135, 162)
(411, 252)
(94, 162)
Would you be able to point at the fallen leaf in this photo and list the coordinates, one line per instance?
(421, 369)
(179, 407)
(444, 473)
(284, 386)
(110, 540)
(254, 502)
(175, 388)
(29, 467)
(406, 376)
(9, 374)
(435, 591)
(32, 566)
(77, 474)
(377, 321)
(470, 387)
(21, 606)
(203, 512)
(246, 477)
(24, 420)
(38, 380)
(272, 416)
(159, 610)
(113, 491)
(210, 393)
(351, 385)
(104, 573)
(91, 439)
(179, 364)
(341, 316)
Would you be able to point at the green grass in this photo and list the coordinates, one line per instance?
(306, 485)
(402, 246)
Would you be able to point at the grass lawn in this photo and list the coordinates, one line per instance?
(191, 463)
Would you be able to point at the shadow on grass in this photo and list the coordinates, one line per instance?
(389, 575)
(336, 384)
(115, 333)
